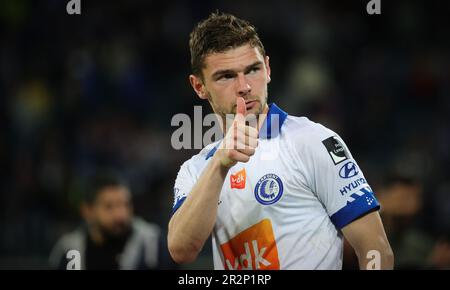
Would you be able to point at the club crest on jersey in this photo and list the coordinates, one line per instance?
(269, 189)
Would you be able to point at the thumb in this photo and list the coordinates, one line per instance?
(241, 109)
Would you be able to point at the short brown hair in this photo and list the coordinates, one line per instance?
(218, 33)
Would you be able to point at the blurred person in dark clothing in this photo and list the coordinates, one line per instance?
(416, 246)
(111, 238)
(440, 256)
(401, 207)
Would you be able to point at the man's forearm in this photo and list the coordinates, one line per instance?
(192, 224)
(367, 237)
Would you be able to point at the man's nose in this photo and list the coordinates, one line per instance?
(243, 86)
(122, 212)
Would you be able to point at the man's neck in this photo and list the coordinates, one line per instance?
(96, 236)
(262, 117)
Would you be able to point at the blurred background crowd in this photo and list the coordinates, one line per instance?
(82, 93)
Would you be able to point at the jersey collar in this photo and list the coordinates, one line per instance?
(273, 122)
(269, 129)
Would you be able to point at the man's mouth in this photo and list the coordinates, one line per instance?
(250, 104)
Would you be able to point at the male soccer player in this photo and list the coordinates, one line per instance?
(290, 211)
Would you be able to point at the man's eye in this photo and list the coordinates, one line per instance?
(253, 70)
(226, 77)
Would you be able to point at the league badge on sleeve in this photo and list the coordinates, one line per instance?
(336, 149)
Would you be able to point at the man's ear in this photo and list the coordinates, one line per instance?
(267, 68)
(198, 86)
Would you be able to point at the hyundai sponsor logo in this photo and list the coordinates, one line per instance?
(348, 170)
(352, 186)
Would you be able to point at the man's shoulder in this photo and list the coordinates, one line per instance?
(304, 131)
(73, 239)
(201, 158)
(146, 229)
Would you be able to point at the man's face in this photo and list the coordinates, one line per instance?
(238, 72)
(111, 212)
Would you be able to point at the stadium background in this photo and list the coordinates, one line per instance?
(83, 92)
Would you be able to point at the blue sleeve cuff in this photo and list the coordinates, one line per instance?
(177, 205)
(354, 210)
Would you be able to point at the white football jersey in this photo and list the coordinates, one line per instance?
(284, 208)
